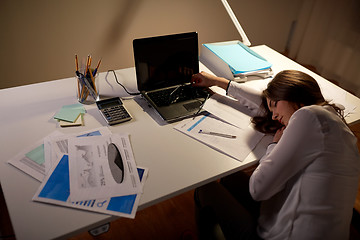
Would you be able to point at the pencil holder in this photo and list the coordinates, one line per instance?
(87, 87)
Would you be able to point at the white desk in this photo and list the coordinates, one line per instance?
(176, 162)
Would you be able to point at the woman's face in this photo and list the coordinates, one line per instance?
(281, 110)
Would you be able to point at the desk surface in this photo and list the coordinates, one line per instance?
(176, 162)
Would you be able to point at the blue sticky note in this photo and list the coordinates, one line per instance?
(77, 106)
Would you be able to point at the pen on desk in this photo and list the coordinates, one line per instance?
(217, 134)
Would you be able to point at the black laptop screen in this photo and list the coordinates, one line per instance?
(165, 61)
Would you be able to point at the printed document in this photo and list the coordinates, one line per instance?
(55, 189)
(229, 110)
(233, 141)
(32, 160)
(56, 145)
(90, 173)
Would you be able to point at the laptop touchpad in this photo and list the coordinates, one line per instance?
(192, 106)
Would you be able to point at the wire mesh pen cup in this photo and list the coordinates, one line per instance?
(87, 87)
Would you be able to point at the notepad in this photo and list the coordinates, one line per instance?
(70, 113)
(78, 122)
(239, 57)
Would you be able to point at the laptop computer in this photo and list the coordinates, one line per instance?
(164, 67)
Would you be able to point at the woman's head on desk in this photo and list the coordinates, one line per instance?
(285, 94)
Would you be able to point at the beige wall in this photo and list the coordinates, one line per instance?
(39, 38)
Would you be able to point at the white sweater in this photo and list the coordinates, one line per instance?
(307, 182)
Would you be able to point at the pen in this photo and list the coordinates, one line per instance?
(217, 134)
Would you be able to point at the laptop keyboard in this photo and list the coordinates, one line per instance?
(173, 95)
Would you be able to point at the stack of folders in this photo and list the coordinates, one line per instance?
(234, 60)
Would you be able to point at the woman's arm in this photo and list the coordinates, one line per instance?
(248, 96)
(299, 145)
(204, 79)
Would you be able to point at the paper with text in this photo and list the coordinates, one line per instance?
(228, 109)
(32, 160)
(90, 172)
(245, 138)
(55, 189)
(57, 145)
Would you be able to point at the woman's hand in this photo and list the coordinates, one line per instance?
(278, 134)
(204, 79)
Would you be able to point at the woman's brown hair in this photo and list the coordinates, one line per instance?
(292, 86)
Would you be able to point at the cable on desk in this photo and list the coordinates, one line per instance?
(116, 79)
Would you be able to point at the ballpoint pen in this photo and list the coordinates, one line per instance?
(217, 134)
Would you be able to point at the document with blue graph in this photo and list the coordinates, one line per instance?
(56, 187)
(56, 190)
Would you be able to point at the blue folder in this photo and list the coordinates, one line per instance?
(240, 58)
